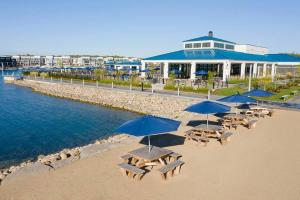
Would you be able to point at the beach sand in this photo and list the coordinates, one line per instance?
(262, 163)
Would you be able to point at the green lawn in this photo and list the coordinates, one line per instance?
(228, 91)
(277, 96)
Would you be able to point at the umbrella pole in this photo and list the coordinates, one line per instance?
(207, 121)
(149, 143)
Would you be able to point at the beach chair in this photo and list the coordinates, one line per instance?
(171, 169)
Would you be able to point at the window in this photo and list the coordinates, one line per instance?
(197, 45)
(219, 45)
(206, 44)
(229, 46)
(189, 46)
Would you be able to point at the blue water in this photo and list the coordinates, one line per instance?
(32, 124)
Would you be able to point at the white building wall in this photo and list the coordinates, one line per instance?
(247, 48)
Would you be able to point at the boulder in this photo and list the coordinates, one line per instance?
(63, 156)
(14, 168)
(40, 157)
(75, 152)
(2, 176)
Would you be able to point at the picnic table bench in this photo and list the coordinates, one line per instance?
(174, 156)
(294, 92)
(127, 158)
(197, 138)
(170, 169)
(285, 97)
(252, 124)
(224, 138)
(132, 171)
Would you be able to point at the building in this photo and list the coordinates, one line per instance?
(225, 58)
(7, 61)
(123, 65)
(49, 61)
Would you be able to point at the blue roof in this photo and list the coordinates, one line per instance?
(283, 57)
(218, 54)
(205, 38)
(123, 63)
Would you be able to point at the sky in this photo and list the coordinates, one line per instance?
(143, 28)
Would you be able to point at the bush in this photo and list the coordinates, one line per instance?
(44, 74)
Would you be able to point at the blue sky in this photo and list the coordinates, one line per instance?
(143, 28)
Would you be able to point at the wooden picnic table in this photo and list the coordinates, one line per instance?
(260, 111)
(156, 154)
(234, 116)
(209, 128)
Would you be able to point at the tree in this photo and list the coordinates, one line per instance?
(99, 73)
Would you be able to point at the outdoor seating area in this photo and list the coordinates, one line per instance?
(168, 163)
(140, 161)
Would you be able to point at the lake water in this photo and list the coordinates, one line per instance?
(32, 124)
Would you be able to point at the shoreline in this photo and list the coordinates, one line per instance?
(140, 103)
(66, 156)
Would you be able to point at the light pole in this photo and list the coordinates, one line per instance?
(250, 76)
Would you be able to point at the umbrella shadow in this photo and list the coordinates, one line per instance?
(194, 123)
(164, 140)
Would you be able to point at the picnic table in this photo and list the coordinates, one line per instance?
(294, 92)
(232, 116)
(209, 130)
(260, 111)
(137, 159)
(143, 156)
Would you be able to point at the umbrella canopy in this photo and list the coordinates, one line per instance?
(176, 71)
(258, 93)
(201, 73)
(237, 98)
(208, 107)
(145, 70)
(148, 125)
(156, 68)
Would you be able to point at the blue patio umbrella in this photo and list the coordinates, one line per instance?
(258, 93)
(237, 98)
(208, 107)
(156, 68)
(176, 71)
(201, 73)
(145, 70)
(148, 125)
(134, 69)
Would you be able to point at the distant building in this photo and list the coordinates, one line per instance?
(49, 61)
(7, 61)
(224, 58)
(123, 65)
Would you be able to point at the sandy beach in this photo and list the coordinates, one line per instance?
(262, 163)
